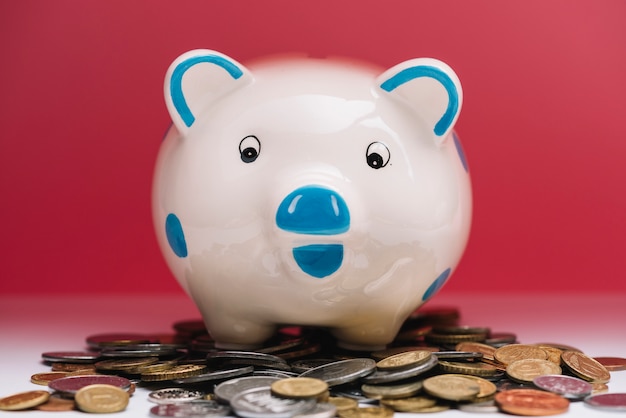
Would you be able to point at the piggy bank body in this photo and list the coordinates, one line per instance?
(310, 192)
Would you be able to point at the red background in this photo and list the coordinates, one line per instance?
(82, 116)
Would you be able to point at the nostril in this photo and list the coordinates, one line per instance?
(313, 210)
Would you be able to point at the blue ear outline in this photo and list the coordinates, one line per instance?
(412, 73)
(176, 81)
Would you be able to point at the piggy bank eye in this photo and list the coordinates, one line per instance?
(249, 149)
(377, 155)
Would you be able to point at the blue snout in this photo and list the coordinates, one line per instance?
(315, 210)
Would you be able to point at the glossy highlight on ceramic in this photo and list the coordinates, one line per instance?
(304, 191)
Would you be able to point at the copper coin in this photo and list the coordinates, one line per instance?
(531, 402)
(108, 340)
(585, 367)
(608, 401)
(45, 378)
(73, 384)
(612, 364)
(72, 367)
(56, 403)
(568, 386)
(24, 400)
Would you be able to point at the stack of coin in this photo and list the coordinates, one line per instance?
(434, 364)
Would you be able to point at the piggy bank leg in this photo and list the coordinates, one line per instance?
(371, 336)
(238, 334)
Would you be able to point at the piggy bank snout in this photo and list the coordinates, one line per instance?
(315, 211)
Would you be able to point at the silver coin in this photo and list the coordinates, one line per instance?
(320, 410)
(70, 356)
(388, 376)
(137, 353)
(215, 375)
(607, 401)
(567, 386)
(174, 395)
(343, 371)
(265, 363)
(192, 409)
(479, 407)
(71, 384)
(259, 403)
(302, 366)
(244, 355)
(451, 355)
(352, 392)
(275, 373)
(225, 391)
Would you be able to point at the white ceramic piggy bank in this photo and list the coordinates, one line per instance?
(310, 192)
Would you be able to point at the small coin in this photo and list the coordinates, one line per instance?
(585, 367)
(498, 339)
(215, 375)
(123, 365)
(24, 400)
(409, 404)
(568, 386)
(191, 409)
(507, 354)
(599, 388)
(458, 355)
(226, 390)
(299, 387)
(320, 410)
(474, 369)
(244, 355)
(608, 401)
(57, 403)
(45, 378)
(180, 371)
(438, 338)
(451, 387)
(70, 356)
(71, 367)
(118, 339)
(486, 350)
(343, 371)
(554, 354)
(303, 365)
(403, 390)
(479, 407)
(174, 395)
(612, 364)
(531, 402)
(343, 403)
(379, 355)
(526, 370)
(101, 399)
(72, 384)
(405, 359)
(259, 403)
(487, 388)
(389, 376)
(461, 330)
(367, 412)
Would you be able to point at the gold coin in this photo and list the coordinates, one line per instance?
(411, 404)
(554, 353)
(24, 400)
(585, 367)
(487, 388)
(125, 364)
(475, 347)
(154, 367)
(44, 378)
(396, 391)
(382, 354)
(474, 369)
(299, 387)
(57, 403)
(406, 359)
(507, 354)
(526, 370)
(451, 387)
(366, 412)
(101, 399)
(177, 372)
(454, 338)
(342, 403)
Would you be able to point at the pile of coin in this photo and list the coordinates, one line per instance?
(433, 365)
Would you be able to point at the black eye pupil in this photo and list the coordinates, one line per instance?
(248, 155)
(374, 160)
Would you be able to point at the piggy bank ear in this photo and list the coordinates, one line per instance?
(430, 87)
(196, 79)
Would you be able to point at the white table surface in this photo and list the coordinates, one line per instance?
(594, 323)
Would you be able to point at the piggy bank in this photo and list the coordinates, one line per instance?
(314, 192)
